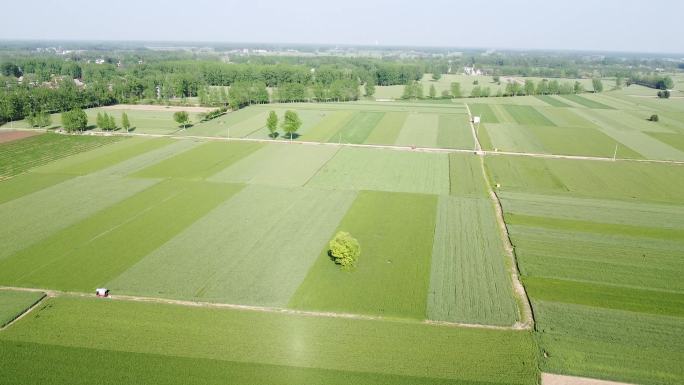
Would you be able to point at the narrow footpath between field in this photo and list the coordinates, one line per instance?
(392, 147)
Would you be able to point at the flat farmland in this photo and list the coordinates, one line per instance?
(385, 170)
(137, 340)
(602, 267)
(273, 235)
(14, 303)
(469, 280)
(396, 231)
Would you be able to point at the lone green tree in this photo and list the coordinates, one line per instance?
(291, 123)
(597, 84)
(182, 118)
(345, 250)
(433, 91)
(436, 76)
(272, 124)
(125, 123)
(74, 120)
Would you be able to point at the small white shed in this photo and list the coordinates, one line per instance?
(102, 292)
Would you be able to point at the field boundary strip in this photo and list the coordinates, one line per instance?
(526, 320)
(478, 147)
(264, 309)
(27, 310)
(401, 148)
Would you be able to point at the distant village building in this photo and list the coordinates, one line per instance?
(472, 71)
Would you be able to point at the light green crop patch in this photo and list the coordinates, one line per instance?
(395, 231)
(14, 303)
(419, 130)
(439, 354)
(89, 253)
(254, 249)
(469, 281)
(286, 164)
(201, 161)
(384, 170)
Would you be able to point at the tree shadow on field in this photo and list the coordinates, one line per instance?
(293, 135)
(273, 135)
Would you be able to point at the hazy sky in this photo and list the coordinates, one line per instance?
(616, 25)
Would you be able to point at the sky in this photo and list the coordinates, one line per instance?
(597, 25)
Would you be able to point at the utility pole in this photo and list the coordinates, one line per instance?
(615, 152)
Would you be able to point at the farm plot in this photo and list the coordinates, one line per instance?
(550, 100)
(328, 126)
(385, 170)
(28, 183)
(627, 181)
(671, 139)
(103, 157)
(101, 246)
(388, 128)
(626, 129)
(40, 214)
(484, 111)
(586, 102)
(224, 124)
(200, 162)
(582, 141)
(22, 155)
(527, 115)
(358, 128)
(611, 344)
(136, 340)
(469, 281)
(454, 132)
(419, 130)
(392, 276)
(255, 248)
(465, 176)
(278, 164)
(628, 261)
(14, 303)
(142, 121)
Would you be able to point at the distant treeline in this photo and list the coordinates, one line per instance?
(29, 84)
(660, 82)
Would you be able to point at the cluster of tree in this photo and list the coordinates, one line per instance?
(338, 90)
(39, 119)
(413, 90)
(661, 82)
(20, 100)
(291, 123)
(74, 120)
(245, 93)
(664, 94)
(105, 122)
(213, 114)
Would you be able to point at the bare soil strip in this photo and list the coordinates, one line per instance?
(557, 379)
(266, 309)
(155, 107)
(25, 312)
(9, 136)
